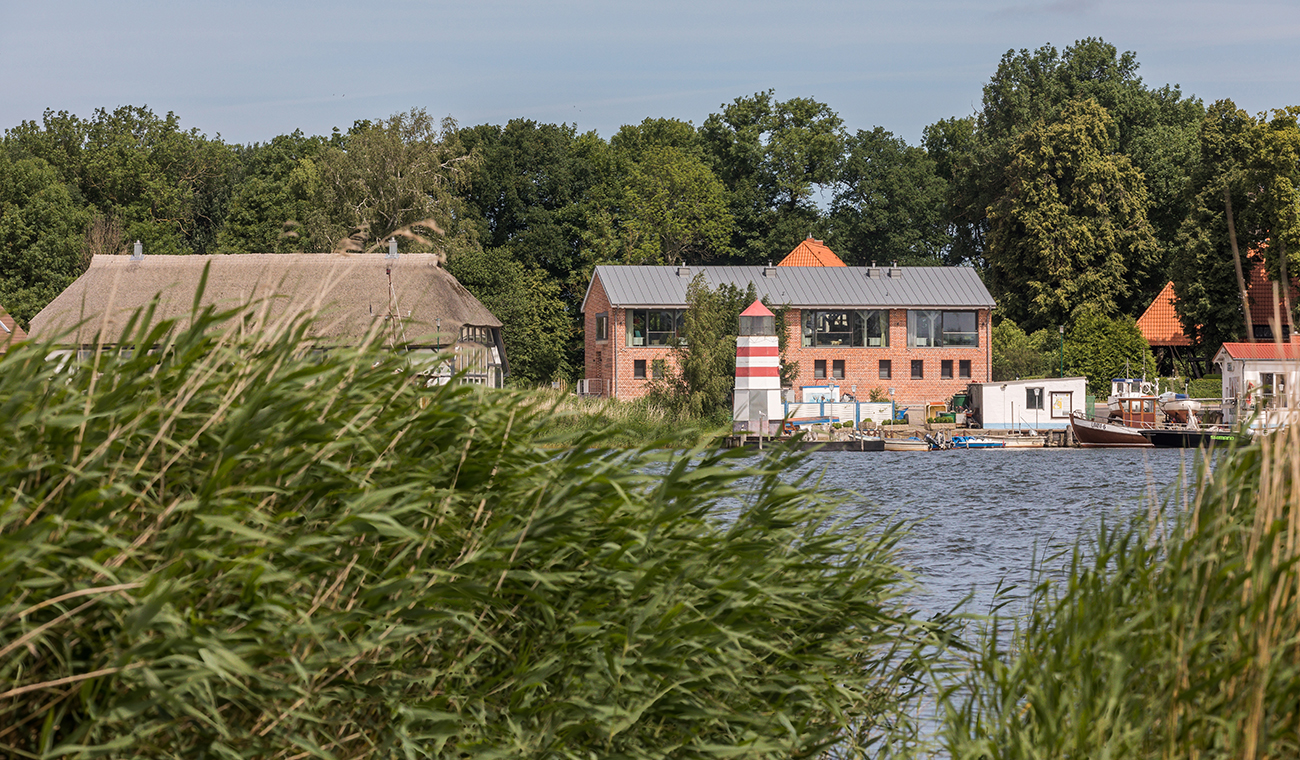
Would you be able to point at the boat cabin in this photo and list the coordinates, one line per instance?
(1136, 411)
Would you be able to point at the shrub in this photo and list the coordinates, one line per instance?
(221, 550)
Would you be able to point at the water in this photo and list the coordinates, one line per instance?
(983, 514)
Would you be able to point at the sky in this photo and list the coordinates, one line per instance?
(249, 71)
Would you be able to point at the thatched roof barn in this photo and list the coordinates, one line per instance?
(409, 301)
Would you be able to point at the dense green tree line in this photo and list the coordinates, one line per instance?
(1075, 189)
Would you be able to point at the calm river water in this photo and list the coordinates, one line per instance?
(982, 515)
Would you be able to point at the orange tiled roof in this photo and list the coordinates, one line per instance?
(9, 331)
(811, 253)
(1259, 291)
(1160, 324)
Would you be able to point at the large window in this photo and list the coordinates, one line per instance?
(654, 327)
(602, 326)
(933, 328)
(846, 328)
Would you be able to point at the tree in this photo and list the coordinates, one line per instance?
(774, 157)
(168, 186)
(273, 190)
(1099, 348)
(1070, 231)
(890, 204)
(675, 209)
(41, 234)
(393, 176)
(1275, 170)
(536, 328)
(1015, 354)
(1155, 128)
(1208, 271)
(705, 356)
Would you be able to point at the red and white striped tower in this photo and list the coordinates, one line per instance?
(757, 404)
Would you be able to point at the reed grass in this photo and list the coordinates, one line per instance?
(1175, 636)
(629, 424)
(226, 548)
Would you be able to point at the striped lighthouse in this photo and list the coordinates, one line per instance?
(757, 404)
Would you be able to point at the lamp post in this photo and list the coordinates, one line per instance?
(1062, 329)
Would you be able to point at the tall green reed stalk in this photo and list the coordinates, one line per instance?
(226, 548)
(1172, 637)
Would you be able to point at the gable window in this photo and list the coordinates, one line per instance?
(602, 326)
(918, 369)
(845, 328)
(1033, 398)
(819, 369)
(654, 327)
(945, 369)
(638, 369)
(928, 328)
(886, 369)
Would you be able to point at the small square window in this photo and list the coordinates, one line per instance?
(638, 369)
(945, 369)
(658, 369)
(918, 369)
(963, 369)
(819, 369)
(886, 369)
(837, 369)
(1033, 398)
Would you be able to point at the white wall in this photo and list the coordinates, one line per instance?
(1002, 406)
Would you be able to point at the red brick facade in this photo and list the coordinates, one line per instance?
(612, 361)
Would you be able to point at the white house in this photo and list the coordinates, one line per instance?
(1267, 374)
(1042, 404)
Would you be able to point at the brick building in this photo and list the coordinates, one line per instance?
(917, 333)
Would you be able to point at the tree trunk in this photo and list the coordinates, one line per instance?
(1236, 260)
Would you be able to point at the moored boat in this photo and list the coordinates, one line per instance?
(906, 444)
(977, 442)
(1098, 434)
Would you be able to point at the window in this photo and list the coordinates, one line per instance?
(886, 369)
(819, 369)
(928, 328)
(658, 368)
(846, 328)
(945, 369)
(654, 327)
(602, 326)
(837, 369)
(918, 369)
(1033, 398)
(963, 369)
(638, 369)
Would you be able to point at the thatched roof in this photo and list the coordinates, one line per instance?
(10, 332)
(350, 291)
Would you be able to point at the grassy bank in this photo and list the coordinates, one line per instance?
(224, 550)
(624, 424)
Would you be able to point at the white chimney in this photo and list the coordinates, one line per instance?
(137, 253)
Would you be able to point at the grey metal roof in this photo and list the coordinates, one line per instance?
(914, 287)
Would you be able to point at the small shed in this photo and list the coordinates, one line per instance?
(1041, 404)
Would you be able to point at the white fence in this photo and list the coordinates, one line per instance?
(844, 411)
